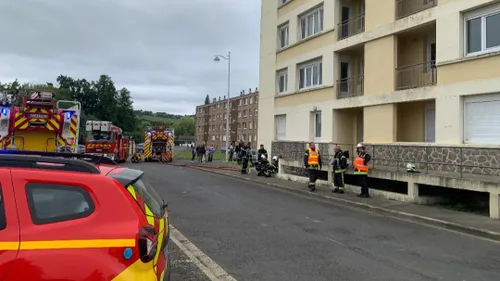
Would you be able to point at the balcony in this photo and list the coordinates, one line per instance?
(352, 18)
(406, 8)
(416, 58)
(350, 80)
(350, 87)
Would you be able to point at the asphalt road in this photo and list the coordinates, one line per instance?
(260, 233)
(183, 269)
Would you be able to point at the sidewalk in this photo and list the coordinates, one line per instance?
(472, 224)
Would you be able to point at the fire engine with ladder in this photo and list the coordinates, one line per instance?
(39, 124)
(104, 138)
(158, 144)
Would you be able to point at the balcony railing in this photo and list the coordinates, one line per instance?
(351, 27)
(417, 75)
(350, 87)
(405, 8)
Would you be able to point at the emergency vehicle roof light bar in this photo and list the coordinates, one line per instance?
(70, 161)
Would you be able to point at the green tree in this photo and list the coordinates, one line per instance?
(207, 99)
(106, 107)
(125, 116)
(184, 126)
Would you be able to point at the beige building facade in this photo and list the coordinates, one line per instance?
(416, 80)
(243, 122)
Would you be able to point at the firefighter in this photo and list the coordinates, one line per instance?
(361, 169)
(245, 157)
(312, 162)
(339, 165)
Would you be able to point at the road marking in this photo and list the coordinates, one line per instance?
(212, 270)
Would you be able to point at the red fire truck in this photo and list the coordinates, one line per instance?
(104, 138)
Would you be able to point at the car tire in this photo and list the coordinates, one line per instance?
(169, 269)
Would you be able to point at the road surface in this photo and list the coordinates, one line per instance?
(259, 233)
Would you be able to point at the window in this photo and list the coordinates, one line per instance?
(310, 75)
(50, 203)
(244, 113)
(481, 119)
(213, 137)
(150, 196)
(317, 125)
(251, 100)
(311, 23)
(430, 122)
(254, 137)
(244, 125)
(282, 81)
(3, 217)
(239, 114)
(482, 32)
(282, 2)
(239, 103)
(283, 36)
(280, 121)
(250, 125)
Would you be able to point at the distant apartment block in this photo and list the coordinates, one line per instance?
(416, 80)
(243, 119)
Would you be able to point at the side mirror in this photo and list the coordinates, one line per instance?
(164, 205)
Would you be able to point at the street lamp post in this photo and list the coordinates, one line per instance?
(228, 58)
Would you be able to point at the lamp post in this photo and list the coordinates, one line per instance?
(228, 58)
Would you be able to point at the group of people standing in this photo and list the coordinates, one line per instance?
(202, 150)
(313, 163)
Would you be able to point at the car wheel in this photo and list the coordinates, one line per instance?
(169, 269)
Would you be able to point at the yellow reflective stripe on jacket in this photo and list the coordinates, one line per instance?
(313, 159)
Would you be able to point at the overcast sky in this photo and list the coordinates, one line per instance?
(161, 50)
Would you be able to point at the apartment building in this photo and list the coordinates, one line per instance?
(243, 115)
(416, 80)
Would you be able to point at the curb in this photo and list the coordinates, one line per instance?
(482, 233)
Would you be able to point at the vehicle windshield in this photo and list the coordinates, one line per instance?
(150, 196)
(99, 136)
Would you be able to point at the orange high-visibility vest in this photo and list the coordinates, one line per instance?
(359, 165)
(313, 159)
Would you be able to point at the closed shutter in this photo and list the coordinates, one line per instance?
(280, 127)
(482, 119)
(430, 122)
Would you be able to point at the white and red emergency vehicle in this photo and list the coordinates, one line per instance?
(104, 138)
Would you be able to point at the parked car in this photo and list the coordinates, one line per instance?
(58, 223)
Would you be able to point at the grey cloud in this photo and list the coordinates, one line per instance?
(154, 48)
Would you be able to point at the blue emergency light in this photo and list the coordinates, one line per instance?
(68, 114)
(4, 110)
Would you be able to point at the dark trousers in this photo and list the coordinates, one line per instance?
(210, 157)
(363, 182)
(338, 180)
(244, 167)
(194, 155)
(230, 156)
(313, 177)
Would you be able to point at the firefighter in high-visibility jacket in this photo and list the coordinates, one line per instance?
(361, 169)
(312, 161)
(339, 165)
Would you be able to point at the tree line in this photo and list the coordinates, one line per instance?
(101, 100)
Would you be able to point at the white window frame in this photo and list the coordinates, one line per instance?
(320, 14)
(279, 75)
(250, 125)
(283, 42)
(311, 65)
(483, 14)
(239, 114)
(316, 136)
(280, 136)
